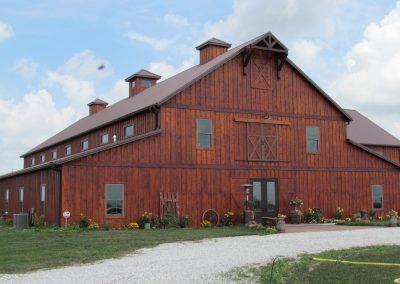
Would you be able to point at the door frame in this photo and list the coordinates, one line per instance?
(259, 214)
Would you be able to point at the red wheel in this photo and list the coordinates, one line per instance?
(212, 216)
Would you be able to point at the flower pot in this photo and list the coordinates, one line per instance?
(280, 226)
(393, 221)
(147, 226)
(295, 218)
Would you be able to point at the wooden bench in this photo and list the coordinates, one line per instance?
(269, 221)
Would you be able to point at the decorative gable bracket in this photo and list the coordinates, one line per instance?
(270, 43)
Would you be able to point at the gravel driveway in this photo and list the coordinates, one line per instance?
(205, 261)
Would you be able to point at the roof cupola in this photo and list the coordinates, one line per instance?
(211, 49)
(140, 81)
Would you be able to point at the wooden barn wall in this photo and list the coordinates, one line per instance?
(392, 153)
(339, 175)
(31, 183)
(143, 123)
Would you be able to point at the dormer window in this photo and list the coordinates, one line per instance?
(128, 130)
(146, 83)
(54, 154)
(33, 161)
(104, 138)
(85, 144)
(42, 158)
(68, 150)
(133, 84)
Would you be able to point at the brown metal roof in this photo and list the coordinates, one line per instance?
(143, 74)
(158, 94)
(214, 41)
(364, 131)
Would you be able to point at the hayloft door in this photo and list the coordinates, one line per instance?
(265, 198)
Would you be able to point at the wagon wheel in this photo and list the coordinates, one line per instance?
(212, 216)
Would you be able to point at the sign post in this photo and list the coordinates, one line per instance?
(66, 215)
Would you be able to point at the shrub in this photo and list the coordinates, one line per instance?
(133, 226)
(107, 227)
(38, 221)
(8, 221)
(184, 221)
(83, 221)
(228, 218)
(339, 213)
(206, 224)
(93, 226)
(314, 216)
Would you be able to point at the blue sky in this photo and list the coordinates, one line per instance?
(50, 51)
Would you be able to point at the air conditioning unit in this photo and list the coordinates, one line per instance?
(20, 221)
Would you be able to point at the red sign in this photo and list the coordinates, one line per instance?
(66, 214)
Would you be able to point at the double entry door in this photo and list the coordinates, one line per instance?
(265, 197)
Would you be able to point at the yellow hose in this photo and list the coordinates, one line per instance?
(356, 262)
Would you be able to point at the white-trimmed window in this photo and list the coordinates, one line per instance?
(54, 154)
(312, 133)
(21, 199)
(42, 198)
(33, 161)
(114, 199)
(133, 83)
(68, 150)
(204, 133)
(85, 144)
(129, 130)
(104, 138)
(146, 83)
(7, 199)
(42, 158)
(377, 197)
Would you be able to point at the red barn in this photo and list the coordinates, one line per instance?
(243, 115)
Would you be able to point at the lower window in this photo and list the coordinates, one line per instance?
(114, 199)
(377, 197)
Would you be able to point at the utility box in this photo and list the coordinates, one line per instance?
(21, 221)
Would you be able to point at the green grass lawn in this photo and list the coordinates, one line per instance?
(26, 250)
(378, 223)
(307, 270)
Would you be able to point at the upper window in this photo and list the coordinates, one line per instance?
(133, 83)
(21, 199)
(33, 161)
(104, 138)
(128, 130)
(85, 144)
(146, 83)
(7, 195)
(54, 154)
(42, 158)
(114, 199)
(68, 150)
(312, 139)
(204, 133)
(377, 197)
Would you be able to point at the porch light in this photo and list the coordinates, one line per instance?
(247, 187)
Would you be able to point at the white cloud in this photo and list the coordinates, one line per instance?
(79, 92)
(305, 53)
(166, 70)
(118, 92)
(176, 20)
(5, 31)
(86, 66)
(157, 44)
(286, 18)
(27, 123)
(371, 80)
(26, 68)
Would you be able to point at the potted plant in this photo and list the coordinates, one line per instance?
(280, 225)
(393, 218)
(296, 214)
(145, 220)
